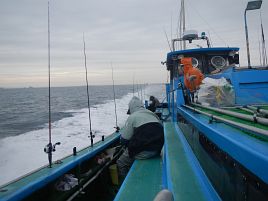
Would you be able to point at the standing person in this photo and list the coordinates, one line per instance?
(142, 134)
(154, 103)
(192, 76)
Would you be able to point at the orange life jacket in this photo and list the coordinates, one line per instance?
(192, 76)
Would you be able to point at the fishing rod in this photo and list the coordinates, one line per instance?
(144, 90)
(49, 148)
(88, 104)
(138, 90)
(141, 93)
(133, 84)
(115, 110)
(49, 92)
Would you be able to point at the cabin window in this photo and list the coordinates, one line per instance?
(194, 62)
(218, 62)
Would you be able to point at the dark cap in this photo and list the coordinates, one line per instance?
(128, 111)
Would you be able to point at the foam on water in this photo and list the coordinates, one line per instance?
(24, 153)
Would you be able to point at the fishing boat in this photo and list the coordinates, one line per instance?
(210, 152)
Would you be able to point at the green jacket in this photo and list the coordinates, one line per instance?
(138, 116)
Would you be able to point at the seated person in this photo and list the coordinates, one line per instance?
(154, 104)
(142, 134)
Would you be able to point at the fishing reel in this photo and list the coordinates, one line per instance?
(117, 129)
(50, 148)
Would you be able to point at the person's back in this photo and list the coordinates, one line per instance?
(147, 135)
(143, 135)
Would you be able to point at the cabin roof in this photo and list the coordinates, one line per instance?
(203, 50)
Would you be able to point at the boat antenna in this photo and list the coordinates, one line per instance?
(171, 28)
(115, 110)
(88, 104)
(167, 39)
(49, 148)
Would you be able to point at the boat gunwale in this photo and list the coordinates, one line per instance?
(18, 193)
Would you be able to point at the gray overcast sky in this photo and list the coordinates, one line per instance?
(128, 33)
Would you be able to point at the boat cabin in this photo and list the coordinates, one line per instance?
(207, 60)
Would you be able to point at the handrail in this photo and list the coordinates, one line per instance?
(198, 38)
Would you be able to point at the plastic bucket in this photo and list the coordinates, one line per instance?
(114, 174)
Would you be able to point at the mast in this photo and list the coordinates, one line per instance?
(182, 25)
(183, 22)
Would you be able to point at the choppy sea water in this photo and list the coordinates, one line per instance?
(24, 117)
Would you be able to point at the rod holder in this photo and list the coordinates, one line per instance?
(74, 151)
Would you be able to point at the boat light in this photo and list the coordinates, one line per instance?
(253, 5)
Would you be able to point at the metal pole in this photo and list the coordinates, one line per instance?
(235, 114)
(235, 124)
(246, 30)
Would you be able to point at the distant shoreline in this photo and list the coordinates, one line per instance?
(92, 85)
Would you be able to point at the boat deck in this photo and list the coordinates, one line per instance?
(143, 181)
(176, 171)
(185, 177)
